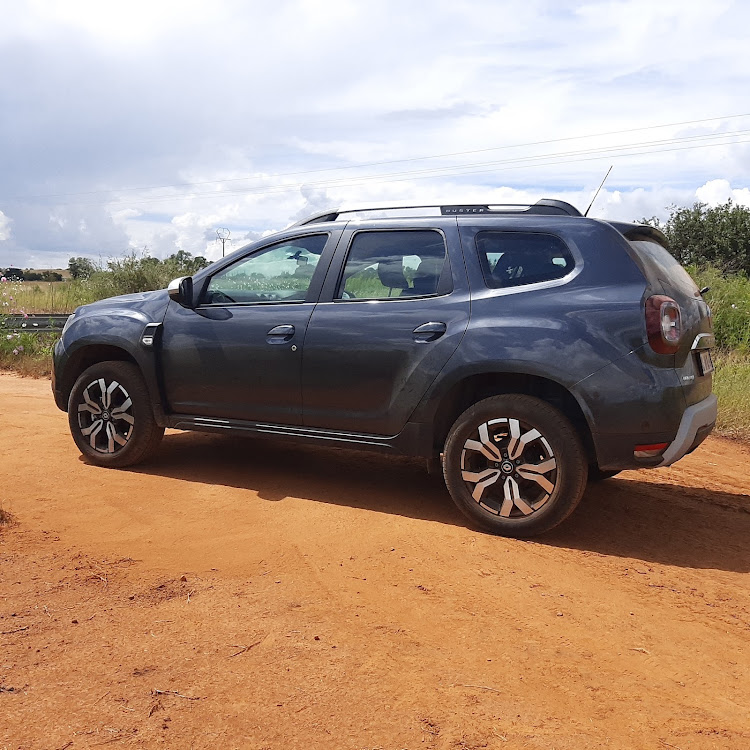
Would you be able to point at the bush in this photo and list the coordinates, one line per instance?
(700, 235)
(142, 273)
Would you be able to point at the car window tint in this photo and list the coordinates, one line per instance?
(517, 258)
(662, 267)
(393, 264)
(278, 273)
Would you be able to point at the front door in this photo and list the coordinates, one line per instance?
(384, 328)
(238, 354)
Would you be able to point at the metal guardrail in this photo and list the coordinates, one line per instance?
(37, 323)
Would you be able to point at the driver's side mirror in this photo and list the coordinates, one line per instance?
(181, 291)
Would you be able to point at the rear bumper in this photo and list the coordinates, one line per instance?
(692, 426)
(695, 426)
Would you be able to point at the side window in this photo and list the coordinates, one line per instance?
(278, 273)
(407, 263)
(517, 258)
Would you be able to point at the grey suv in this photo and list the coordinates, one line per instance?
(522, 349)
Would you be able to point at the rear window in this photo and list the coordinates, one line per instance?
(660, 266)
(519, 258)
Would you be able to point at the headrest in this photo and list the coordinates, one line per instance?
(391, 274)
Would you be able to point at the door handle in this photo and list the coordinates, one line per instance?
(280, 334)
(429, 332)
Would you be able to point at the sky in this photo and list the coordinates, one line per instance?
(149, 124)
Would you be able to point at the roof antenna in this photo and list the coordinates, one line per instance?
(598, 189)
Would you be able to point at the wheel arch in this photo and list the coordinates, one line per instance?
(87, 355)
(473, 388)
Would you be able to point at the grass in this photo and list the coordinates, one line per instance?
(732, 387)
(27, 354)
(729, 299)
(54, 296)
(135, 272)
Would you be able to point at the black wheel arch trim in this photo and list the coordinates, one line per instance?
(431, 401)
(72, 361)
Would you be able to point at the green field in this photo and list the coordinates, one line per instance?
(44, 296)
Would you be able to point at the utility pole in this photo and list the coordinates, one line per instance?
(222, 235)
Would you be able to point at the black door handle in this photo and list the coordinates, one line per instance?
(429, 332)
(280, 334)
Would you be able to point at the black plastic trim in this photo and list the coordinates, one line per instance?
(414, 439)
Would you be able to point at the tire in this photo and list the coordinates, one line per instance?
(487, 446)
(597, 475)
(110, 415)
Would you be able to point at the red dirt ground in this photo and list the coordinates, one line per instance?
(239, 594)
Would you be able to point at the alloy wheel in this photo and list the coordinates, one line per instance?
(509, 468)
(105, 415)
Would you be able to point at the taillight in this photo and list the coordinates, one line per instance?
(663, 324)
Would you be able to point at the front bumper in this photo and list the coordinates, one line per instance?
(60, 400)
(695, 426)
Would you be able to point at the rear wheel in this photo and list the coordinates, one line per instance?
(110, 415)
(515, 465)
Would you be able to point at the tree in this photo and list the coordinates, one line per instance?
(81, 268)
(184, 264)
(700, 235)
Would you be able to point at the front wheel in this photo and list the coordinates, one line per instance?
(110, 415)
(515, 465)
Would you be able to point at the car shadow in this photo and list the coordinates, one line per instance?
(628, 516)
(632, 516)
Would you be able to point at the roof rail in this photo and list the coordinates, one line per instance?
(547, 206)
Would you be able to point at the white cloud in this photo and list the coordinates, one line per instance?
(138, 21)
(716, 192)
(4, 227)
(257, 113)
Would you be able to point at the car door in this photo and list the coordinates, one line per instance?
(237, 355)
(394, 307)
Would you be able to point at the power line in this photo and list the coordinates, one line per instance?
(380, 163)
(568, 157)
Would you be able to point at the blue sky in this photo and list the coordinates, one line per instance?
(153, 122)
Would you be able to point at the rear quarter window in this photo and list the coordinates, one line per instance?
(660, 266)
(511, 259)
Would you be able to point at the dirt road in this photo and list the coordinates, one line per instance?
(235, 594)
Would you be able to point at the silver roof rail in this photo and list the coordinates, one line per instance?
(545, 206)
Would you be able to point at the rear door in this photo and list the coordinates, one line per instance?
(394, 307)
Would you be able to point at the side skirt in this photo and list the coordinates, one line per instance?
(413, 440)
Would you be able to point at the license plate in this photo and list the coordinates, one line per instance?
(705, 361)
